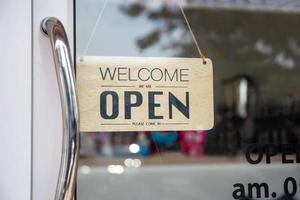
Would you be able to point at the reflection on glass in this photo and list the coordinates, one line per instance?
(256, 57)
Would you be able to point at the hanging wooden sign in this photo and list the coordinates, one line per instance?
(144, 94)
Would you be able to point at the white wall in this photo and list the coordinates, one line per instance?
(15, 99)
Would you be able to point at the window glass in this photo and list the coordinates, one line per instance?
(253, 150)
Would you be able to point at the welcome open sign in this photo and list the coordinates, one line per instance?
(143, 94)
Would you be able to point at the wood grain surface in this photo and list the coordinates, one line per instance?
(144, 94)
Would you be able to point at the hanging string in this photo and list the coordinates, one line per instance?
(95, 28)
(191, 31)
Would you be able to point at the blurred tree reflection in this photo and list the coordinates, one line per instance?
(263, 45)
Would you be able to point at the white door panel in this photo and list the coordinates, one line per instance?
(31, 125)
(47, 122)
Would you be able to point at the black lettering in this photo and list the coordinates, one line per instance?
(130, 78)
(290, 193)
(175, 74)
(129, 104)
(107, 72)
(160, 74)
(182, 75)
(152, 105)
(286, 150)
(139, 74)
(121, 73)
(258, 188)
(271, 150)
(250, 150)
(184, 109)
(239, 191)
(103, 105)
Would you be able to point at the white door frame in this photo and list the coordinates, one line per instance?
(31, 123)
(47, 120)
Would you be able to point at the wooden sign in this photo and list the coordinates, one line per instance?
(143, 94)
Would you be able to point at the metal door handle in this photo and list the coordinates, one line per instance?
(55, 31)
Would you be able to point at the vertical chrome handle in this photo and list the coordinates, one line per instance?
(55, 31)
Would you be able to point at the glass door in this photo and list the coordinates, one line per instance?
(253, 150)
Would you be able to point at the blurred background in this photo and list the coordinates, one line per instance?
(255, 49)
